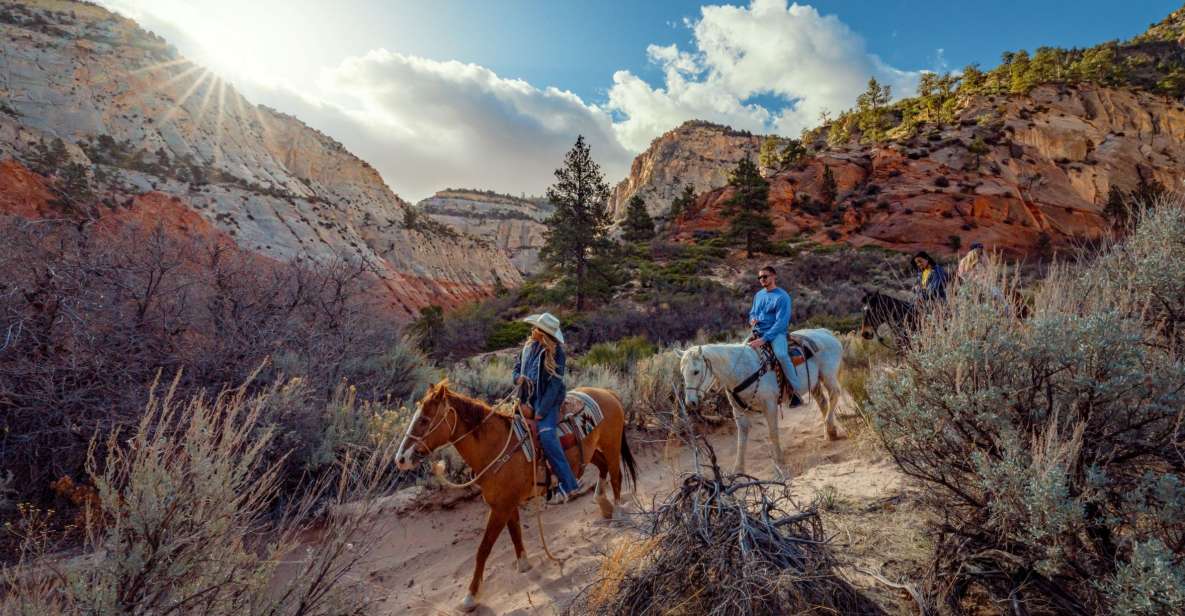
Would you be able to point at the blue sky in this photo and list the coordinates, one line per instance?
(489, 94)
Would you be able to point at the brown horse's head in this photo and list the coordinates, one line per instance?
(431, 427)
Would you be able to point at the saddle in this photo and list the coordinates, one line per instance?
(800, 350)
(579, 415)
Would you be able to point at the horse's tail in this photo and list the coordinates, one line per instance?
(627, 459)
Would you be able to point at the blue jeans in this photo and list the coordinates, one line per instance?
(549, 438)
(782, 352)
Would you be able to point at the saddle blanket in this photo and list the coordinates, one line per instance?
(580, 415)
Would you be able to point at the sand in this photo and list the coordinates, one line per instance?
(424, 546)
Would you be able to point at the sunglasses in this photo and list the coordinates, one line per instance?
(762, 276)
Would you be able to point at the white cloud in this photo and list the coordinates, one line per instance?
(805, 61)
(426, 124)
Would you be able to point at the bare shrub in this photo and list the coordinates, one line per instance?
(487, 377)
(90, 315)
(655, 380)
(604, 377)
(182, 525)
(724, 545)
(1050, 446)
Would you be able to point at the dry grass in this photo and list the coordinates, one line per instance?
(183, 524)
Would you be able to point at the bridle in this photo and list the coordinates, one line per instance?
(497, 463)
(418, 441)
(707, 379)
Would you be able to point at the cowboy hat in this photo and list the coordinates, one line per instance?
(548, 323)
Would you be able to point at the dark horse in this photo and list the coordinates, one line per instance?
(878, 309)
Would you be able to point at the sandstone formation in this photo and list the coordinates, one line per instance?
(1052, 157)
(512, 224)
(138, 119)
(697, 153)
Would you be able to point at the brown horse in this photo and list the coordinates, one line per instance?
(485, 441)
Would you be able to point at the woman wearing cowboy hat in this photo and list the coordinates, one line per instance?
(539, 375)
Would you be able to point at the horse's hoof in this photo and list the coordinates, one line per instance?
(469, 603)
(523, 565)
(606, 507)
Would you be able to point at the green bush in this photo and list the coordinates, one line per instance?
(486, 378)
(507, 334)
(1050, 448)
(620, 355)
(839, 324)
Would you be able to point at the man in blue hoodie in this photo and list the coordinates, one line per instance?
(770, 320)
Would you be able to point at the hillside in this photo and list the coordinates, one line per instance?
(1050, 160)
(104, 113)
(1024, 157)
(514, 225)
(696, 153)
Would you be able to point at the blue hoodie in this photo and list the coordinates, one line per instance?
(771, 310)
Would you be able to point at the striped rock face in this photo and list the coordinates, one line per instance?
(139, 119)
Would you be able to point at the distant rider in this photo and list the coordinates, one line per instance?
(770, 320)
(931, 283)
(539, 375)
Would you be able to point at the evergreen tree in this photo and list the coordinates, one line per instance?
(578, 229)
(1116, 209)
(830, 190)
(769, 157)
(978, 148)
(871, 108)
(683, 202)
(638, 225)
(1022, 78)
(75, 183)
(973, 78)
(747, 210)
(425, 328)
(792, 152)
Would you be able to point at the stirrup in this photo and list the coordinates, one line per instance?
(794, 400)
(559, 496)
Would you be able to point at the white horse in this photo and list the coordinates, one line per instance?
(730, 364)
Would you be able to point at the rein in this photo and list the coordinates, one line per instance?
(499, 461)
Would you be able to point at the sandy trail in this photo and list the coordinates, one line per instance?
(423, 558)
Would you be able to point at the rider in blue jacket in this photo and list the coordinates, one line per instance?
(770, 319)
(539, 374)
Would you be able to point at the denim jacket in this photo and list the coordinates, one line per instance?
(544, 392)
(935, 287)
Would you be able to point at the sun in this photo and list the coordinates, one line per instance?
(234, 39)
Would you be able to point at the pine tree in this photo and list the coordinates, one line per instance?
(871, 109)
(1116, 209)
(978, 148)
(769, 158)
(683, 202)
(792, 152)
(578, 229)
(830, 190)
(748, 207)
(638, 225)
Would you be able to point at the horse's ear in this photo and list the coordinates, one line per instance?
(680, 353)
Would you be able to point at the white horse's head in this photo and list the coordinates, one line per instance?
(697, 374)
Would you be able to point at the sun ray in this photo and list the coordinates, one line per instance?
(218, 120)
(205, 104)
(176, 78)
(158, 66)
(180, 102)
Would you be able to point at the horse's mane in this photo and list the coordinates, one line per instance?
(470, 411)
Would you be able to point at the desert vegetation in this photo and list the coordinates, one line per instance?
(91, 316)
(1050, 447)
